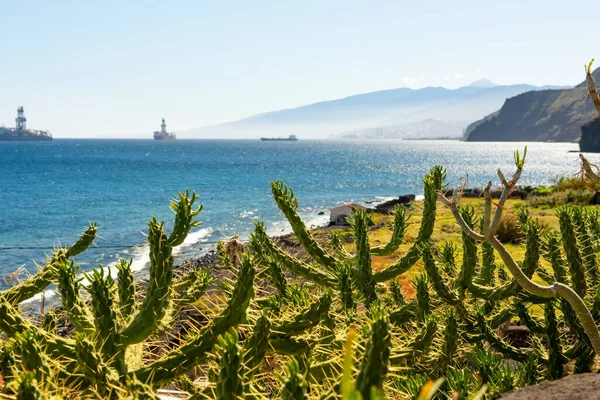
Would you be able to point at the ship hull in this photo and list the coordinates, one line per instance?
(162, 138)
(278, 140)
(14, 138)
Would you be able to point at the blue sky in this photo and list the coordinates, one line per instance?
(114, 68)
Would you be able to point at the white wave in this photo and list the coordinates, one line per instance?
(201, 235)
(248, 213)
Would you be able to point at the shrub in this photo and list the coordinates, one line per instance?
(509, 230)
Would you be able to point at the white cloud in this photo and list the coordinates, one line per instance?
(479, 71)
(458, 75)
(408, 81)
(446, 77)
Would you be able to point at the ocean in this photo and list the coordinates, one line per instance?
(50, 191)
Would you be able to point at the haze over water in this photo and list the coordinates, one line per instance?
(51, 191)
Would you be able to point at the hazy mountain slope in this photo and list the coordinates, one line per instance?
(548, 115)
(429, 128)
(369, 110)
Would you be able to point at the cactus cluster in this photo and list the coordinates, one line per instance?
(325, 324)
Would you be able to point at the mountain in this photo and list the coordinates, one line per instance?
(546, 115)
(483, 83)
(401, 106)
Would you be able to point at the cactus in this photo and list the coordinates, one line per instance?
(294, 383)
(364, 272)
(229, 384)
(374, 365)
(490, 226)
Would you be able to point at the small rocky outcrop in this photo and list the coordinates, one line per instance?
(389, 205)
(590, 136)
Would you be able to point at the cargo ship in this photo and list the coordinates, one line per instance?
(291, 138)
(163, 134)
(20, 133)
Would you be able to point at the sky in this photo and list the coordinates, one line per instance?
(115, 68)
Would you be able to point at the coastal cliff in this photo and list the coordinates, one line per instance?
(546, 115)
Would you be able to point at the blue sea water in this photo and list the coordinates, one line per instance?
(50, 191)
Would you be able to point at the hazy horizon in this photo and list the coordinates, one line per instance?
(113, 70)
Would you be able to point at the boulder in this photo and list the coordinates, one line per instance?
(590, 136)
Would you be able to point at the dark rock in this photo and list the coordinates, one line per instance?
(590, 136)
(390, 204)
(321, 213)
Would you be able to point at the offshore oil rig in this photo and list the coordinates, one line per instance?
(20, 132)
(163, 134)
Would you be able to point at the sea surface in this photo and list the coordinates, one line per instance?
(50, 191)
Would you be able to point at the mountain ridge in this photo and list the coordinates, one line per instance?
(547, 115)
(370, 110)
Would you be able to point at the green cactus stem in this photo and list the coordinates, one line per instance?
(527, 319)
(154, 307)
(423, 301)
(290, 346)
(432, 184)
(400, 219)
(49, 322)
(575, 262)
(229, 384)
(263, 245)
(194, 350)
(27, 388)
(404, 314)
(69, 287)
(37, 282)
(294, 382)
(396, 294)
(437, 281)
(450, 344)
(256, 347)
(191, 287)
(344, 273)
(106, 336)
(277, 278)
(586, 244)
(184, 217)
(374, 365)
(499, 344)
(288, 204)
(126, 287)
(306, 319)
(364, 272)
(33, 357)
(85, 241)
(13, 323)
(94, 370)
